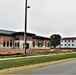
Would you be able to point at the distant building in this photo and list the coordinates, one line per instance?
(68, 42)
(15, 40)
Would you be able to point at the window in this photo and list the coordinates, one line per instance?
(7, 43)
(4, 42)
(40, 44)
(48, 44)
(72, 40)
(68, 44)
(17, 44)
(65, 44)
(72, 44)
(61, 44)
(10, 42)
(65, 40)
(68, 40)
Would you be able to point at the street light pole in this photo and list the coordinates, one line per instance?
(25, 26)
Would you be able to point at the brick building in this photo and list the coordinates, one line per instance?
(15, 40)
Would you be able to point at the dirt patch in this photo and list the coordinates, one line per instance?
(23, 68)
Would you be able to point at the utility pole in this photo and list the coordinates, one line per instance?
(25, 26)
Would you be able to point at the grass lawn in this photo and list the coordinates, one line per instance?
(34, 60)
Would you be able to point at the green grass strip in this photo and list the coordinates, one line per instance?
(34, 60)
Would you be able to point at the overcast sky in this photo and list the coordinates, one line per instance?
(45, 17)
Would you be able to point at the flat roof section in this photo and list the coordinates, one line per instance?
(6, 32)
(40, 37)
(22, 33)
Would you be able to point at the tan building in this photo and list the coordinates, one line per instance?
(15, 40)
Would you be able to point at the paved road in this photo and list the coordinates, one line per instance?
(66, 68)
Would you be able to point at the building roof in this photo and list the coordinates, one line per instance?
(22, 33)
(40, 37)
(9, 32)
(69, 38)
(6, 32)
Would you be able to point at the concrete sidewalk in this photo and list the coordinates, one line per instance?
(32, 56)
(23, 57)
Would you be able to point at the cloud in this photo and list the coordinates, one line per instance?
(48, 17)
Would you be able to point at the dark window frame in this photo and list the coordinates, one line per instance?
(72, 40)
(68, 44)
(65, 40)
(61, 44)
(10, 42)
(65, 44)
(72, 44)
(4, 43)
(40, 43)
(7, 43)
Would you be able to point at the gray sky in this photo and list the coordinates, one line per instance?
(45, 17)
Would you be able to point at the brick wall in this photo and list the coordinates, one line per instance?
(5, 37)
(13, 51)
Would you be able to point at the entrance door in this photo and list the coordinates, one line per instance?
(27, 45)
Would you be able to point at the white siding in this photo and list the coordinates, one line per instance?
(68, 44)
(21, 42)
(1, 46)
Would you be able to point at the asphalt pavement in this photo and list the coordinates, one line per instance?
(65, 68)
